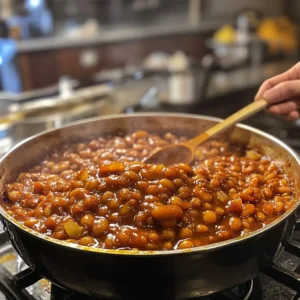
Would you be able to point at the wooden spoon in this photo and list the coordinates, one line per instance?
(185, 152)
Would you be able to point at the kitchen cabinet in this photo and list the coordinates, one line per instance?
(39, 69)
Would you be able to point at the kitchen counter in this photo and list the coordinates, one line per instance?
(113, 36)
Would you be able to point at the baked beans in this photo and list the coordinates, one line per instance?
(100, 194)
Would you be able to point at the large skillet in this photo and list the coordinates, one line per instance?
(179, 274)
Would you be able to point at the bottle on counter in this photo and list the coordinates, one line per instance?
(181, 81)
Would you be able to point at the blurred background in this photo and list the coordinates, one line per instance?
(66, 60)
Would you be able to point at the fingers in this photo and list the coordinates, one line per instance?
(270, 83)
(292, 116)
(286, 107)
(291, 74)
(283, 91)
(283, 88)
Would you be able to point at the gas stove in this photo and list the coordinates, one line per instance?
(280, 281)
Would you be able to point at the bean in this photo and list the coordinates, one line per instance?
(248, 210)
(268, 192)
(91, 185)
(220, 211)
(166, 212)
(235, 205)
(87, 241)
(171, 172)
(139, 134)
(207, 205)
(184, 192)
(125, 209)
(167, 246)
(196, 203)
(152, 189)
(113, 167)
(215, 183)
(38, 187)
(223, 235)
(87, 220)
(51, 222)
(123, 238)
(168, 234)
(202, 194)
(100, 226)
(185, 233)
(202, 228)
(15, 196)
(84, 175)
(268, 209)
(79, 193)
(254, 181)
(109, 242)
(279, 207)
(185, 244)
(102, 210)
(153, 237)
(209, 217)
(134, 177)
(175, 200)
(60, 202)
(60, 235)
(205, 196)
(178, 183)
(167, 183)
(260, 216)
(284, 189)
(248, 191)
(91, 202)
(48, 210)
(30, 222)
(235, 223)
(186, 168)
(108, 195)
(270, 176)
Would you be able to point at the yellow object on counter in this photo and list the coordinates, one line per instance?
(225, 35)
(279, 34)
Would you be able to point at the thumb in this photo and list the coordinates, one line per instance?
(283, 91)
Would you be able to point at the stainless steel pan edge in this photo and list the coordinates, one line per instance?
(292, 160)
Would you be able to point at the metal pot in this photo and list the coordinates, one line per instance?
(176, 274)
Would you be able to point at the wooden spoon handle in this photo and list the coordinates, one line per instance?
(240, 115)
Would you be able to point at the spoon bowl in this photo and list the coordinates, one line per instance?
(185, 152)
(171, 155)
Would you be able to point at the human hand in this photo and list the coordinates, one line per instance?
(283, 94)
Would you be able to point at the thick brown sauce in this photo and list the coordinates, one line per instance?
(99, 194)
